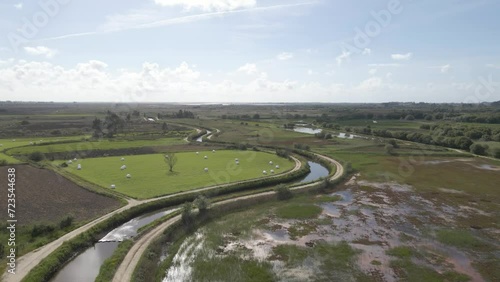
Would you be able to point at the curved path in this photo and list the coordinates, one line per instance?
(28, 261)
(129, 263)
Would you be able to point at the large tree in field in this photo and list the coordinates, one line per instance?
(170, 160)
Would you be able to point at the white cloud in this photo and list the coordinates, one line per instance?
(310, 72)
(493, 66)
(7, 62)
(367, 51)
(384, 65)
(402, 57)
(135, 20)
(41, 51)
(343, 57)
(18, 6)
(249, 69)
(284, 56)
(372, 71)
(208, 5)
(445, 68)
(370, 84)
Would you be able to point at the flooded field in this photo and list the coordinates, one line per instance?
(372, 231)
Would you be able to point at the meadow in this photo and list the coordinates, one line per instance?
(150, 176)
(6, 144)
(104, 144)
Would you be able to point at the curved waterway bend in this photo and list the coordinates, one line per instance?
(85, 267)
(200, 139)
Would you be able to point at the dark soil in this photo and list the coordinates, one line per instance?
(44, 196)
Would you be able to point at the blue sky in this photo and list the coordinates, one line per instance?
(250, 50)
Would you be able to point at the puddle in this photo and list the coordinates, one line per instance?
(181, 268)
(307, 130)
(330, 210)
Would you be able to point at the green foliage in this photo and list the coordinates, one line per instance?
(283, 192)
(187, 214)
(298, 211)
(478, 149)
(459, 238)
(170, 160)
(41, 229)
(389, 149)
(400, 252)
(3, 162)
(202, 203)
(496, 153)
(37, 156)
(66, 221)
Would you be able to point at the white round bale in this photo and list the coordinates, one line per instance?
(213, 151)
(123, 159)
(272, 171)
(277, 166)
(123, 167)
(79, 167)
(270, 162)
(113, 186)
(206, 169)
(128, 175)
(205, 157)
(197, 153)
(264, 172)
(70, 162)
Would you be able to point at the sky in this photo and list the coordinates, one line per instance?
(250, 51)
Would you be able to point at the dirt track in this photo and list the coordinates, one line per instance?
(127, 267)
(28, 261)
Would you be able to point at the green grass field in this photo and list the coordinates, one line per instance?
(105, 144)
(6, 144)
(150, 176)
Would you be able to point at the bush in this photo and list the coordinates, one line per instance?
(389, 149)
(187, 214)
(37, 156)
(64, 164)
(3, 162)
(478, 149)
(202, 203)
(283, 192)
(282, 153)
(41, 229)
(496, 153)
(65, 222)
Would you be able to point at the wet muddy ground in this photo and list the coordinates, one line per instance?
(396, 232)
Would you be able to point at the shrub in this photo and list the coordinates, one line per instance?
(3, 162)
(187, 214)
(389, 149)
(37, 156)
(64, 164)
(202, 203)
(478, 149)
(41, 229)
(496, 153)
(283, 192)
(65, 222)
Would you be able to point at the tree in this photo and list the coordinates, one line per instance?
(496, 153)
(164, 127)
(187, 215)
(283, 192)
(256, 116)
(478, 149)
(171, 160)
(202, 203)
(37, 156)
(97, 127)
(389, 149)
